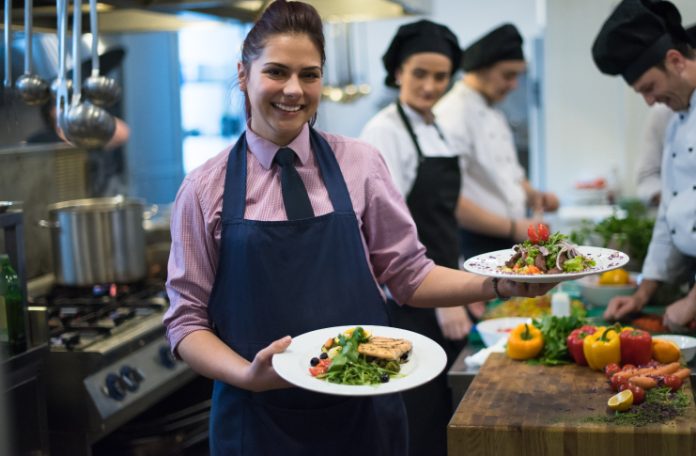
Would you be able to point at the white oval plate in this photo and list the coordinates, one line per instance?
(426, 361)
(487, 264)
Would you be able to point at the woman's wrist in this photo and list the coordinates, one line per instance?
(495, 282)
(513, 229)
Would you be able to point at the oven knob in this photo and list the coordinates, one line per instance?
(115, 387)
(131, 377)
(166, 357)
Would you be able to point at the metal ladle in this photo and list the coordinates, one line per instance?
(100, 90)
(59, 86)
(7, 83)
(31, 87)
(87, 125)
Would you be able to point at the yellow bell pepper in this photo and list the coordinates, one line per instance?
(603, 347)
(525, 342)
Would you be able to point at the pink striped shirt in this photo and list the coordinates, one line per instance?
(389, 235)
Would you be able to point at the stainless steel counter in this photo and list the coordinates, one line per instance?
(460, 376)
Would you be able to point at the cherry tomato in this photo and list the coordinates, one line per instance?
(533, 235)
(617, 381)
(672, 382)
(638, 394)
(610, 369)
(543, 231)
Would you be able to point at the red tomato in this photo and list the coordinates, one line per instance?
(543, 231)
(638, 394)
(533, 235)
(610, 369)
(672, 382)
(617, 381)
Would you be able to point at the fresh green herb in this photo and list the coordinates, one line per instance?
(630, 234)
(660, 406)
(555, 331)
(349, 367)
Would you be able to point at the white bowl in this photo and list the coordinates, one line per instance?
(493, 330)
(599, 295)
(686, 344)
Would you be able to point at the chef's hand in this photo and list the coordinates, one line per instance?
(549, 201)
(620, 306)
(260, 375)
(680, 313)
(509, 288)
(454, 322)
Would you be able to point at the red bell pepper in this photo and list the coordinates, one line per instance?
(636, 347)
(574, 341)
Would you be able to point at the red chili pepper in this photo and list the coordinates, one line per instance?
(636, 347)
(533, 235)
(574, 341)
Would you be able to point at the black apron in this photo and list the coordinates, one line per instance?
(432, 202)
(289, 277)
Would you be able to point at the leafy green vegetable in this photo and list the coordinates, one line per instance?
(555, 331)
(631, 233)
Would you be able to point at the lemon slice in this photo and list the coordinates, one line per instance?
(621, 401)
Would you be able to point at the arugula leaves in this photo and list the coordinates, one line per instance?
(555, 331)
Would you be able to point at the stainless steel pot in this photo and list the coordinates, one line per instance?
(97, 240)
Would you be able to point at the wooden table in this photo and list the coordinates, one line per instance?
(516, 409)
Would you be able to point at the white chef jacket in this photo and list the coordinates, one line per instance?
(491, 172)
(648, 181)
(387, 132)
(674, 235)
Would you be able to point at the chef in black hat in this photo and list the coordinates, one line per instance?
(420, 61)
(645, 43)
(495, 193)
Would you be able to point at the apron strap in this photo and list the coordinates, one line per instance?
(235, 182)
(331, 172)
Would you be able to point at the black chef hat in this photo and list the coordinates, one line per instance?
(691, 31)
(416, 37)
(502, 43)
(636, 37)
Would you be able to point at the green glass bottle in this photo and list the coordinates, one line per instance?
(13, 336)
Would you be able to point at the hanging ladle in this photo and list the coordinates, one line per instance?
(88, 125)
(59, 86)
(100, 90)
(7, 82)
(31, 87)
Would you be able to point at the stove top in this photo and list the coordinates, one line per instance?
(80, 319)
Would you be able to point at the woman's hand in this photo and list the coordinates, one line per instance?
(509, 288)
(454, 322)
(260, 375)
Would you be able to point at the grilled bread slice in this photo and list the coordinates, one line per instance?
(385, 348)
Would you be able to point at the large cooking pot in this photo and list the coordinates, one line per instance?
(97, 240)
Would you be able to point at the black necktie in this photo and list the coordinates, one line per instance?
(297, 205)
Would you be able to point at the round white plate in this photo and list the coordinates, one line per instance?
(426, 361)
(488, 264)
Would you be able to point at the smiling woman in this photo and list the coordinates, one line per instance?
(288, 231)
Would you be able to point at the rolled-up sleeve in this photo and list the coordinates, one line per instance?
(192, 265)
(396, 255)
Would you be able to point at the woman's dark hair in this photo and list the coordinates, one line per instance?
(282, 17)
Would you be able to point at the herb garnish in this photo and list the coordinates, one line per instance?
(660, 406)
(555, 331)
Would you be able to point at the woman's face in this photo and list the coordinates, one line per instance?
(423, 79)
(283, 86)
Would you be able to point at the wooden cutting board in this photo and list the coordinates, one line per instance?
(515, 409)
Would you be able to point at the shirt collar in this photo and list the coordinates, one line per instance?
(414, 116)
(464, 87)
(265, 150)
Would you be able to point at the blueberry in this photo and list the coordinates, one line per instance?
(384, 378)
(324, 355)
(314, 361)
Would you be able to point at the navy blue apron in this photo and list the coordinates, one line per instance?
(276, 278)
